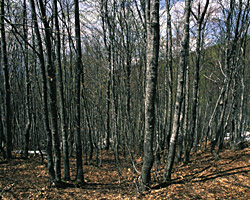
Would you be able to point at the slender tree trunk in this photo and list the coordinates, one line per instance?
(194, 111)
(127, 45)
(71, 82)
(187, 136)
(4, 61)
(219, 136)
(179, 94)
(45, 94)
(2, 136)
(152, 9)
(109, 116)
(28, 83)
(90, 128)
(242, 114)
(170, 75)
(52, 93)
(78, 140)
(62, 102)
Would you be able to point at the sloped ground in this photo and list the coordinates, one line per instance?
(203, 178)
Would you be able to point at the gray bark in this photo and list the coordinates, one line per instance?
(45, 93)
(78, 141)
(179, 94)
(62, 102)
(27, 83)
(196, 82)
(52, 93)
(152, 11)
(4, 61)
(170, 75)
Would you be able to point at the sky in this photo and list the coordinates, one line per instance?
(214, 15)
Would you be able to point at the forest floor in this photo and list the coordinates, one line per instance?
(202, 178)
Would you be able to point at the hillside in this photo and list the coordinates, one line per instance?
(203, 178)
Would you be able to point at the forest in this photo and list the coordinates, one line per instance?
(124, 99)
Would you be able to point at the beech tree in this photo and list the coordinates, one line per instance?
(194, 111)
(179, 94)
(152, 21)
(4, 61)
(169, 78)
(45, 94)
(79, 68)
(27, 82)
(83, 78)
(62, 109)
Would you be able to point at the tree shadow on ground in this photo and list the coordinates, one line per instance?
(196, 177)
(102, 187)
(95, 186)
(222, 174)
(89, 186)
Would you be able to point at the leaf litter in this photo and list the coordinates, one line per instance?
(202, 178)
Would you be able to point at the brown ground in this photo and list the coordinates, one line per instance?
(203, 178)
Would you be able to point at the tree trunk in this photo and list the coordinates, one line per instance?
(194, 110)
(28, 83)
(78, 140)
(52, 93)
(152, 10)
(45, 93)
(169, 55)
(2, 136)
(62, 102)
(179, 94)
(4, 62)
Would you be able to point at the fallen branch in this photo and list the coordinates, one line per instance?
(6, 189)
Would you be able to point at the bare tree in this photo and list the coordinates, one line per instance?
(62, 101)
(194, 111)
(4, 61)
(179, 94)
(78, 140)
(152, 21)
(45, 93)
(169, 79)
(27, 82)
